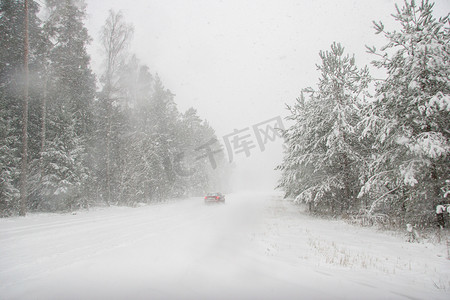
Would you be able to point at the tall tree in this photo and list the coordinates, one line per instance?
(12, 121)
(164, 121)
(70, 91)
(26, 80)
(321, 165)
(409, 119)
(137, 156)
(115, 35)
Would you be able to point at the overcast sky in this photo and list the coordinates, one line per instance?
(238, 62)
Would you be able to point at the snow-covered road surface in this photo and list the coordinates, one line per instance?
(256, 246)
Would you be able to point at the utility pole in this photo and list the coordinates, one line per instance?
(23, 175)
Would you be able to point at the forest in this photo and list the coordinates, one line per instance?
(116, 138)
(376, 150)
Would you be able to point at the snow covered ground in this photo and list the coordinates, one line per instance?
(256, 246)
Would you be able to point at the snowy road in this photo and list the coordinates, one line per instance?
(256, 246)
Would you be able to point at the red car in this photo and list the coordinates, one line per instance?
(214, 198)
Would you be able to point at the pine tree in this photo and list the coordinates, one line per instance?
(164, 118)
(323, 157)
(11, 93)
(69, 93)
(409, 121)
(137, 150)
(197, 169)
(116, 35)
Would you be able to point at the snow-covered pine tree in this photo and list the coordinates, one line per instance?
(135, 178)
(195, 133)
(9, 160)
(11, 62)
(64, 174)
(322, 161)
(164, 118)
(409, 119)
(70, 93)
(11, 93)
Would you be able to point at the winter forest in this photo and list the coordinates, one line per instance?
(110, 138)
(373, 149)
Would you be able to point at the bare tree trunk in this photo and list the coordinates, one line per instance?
(43, 129)
(108, 151)
(23, 175)
(347, 199)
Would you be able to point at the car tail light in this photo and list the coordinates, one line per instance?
(217, 197)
